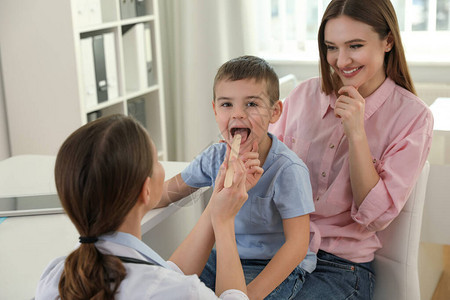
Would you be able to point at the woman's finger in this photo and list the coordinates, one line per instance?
(349, 90)
(220, 179)
(239, 173)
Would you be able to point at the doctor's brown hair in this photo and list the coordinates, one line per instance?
(380, 15)
(99, 172)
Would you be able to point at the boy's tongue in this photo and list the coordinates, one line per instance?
(243, 132)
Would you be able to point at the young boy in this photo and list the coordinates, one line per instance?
(272, 227)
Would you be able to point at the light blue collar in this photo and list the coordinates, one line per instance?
(129, 240)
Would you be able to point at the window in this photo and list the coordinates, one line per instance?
(287, 29)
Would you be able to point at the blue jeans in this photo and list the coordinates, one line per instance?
(252, 267)
(338, 278)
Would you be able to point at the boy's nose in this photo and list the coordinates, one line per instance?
(239, 113)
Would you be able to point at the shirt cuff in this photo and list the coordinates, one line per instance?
(376, 203)
(233, 295)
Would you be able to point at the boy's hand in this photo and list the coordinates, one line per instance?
(252, 165)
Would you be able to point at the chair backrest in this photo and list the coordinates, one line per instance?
(396, 264)
(287, 84)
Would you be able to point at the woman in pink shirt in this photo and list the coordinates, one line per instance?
(364, 136)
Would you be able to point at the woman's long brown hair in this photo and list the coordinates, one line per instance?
(379, 14)
(99, 173)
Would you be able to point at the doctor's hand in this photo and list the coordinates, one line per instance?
(350, 107)
(226, 202)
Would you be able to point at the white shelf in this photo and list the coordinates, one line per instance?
(43, 74)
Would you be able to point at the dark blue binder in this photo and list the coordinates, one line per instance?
(140, 8)
(100, 68)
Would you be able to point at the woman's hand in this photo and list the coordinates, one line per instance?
(252, 165)
(226, 202)
(363, 176)
(350, 108)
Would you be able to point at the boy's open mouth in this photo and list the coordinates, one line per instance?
(244, 132)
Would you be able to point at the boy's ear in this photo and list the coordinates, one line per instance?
(277, 109)
(214, 107)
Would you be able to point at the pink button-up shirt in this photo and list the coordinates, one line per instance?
(399, 129)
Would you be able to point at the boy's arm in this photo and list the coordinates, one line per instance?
(293, 251)
(174, 189)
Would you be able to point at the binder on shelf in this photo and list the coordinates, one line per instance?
(135, 58)
(94, 115)
(148, 55)
(89, 12)
(127, 9)
(82, 13)
(111, 65)
(140, 8)
(131, 8)
(100, 68)
(94, 12)
(123, 12)
(88, 72)
(136, 109)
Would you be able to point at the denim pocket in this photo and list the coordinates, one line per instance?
(342, 273)
(343, 266)
(289, 288)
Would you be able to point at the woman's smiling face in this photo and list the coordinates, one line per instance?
(356, 53)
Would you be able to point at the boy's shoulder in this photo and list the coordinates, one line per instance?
(216, 150)
(282, 154)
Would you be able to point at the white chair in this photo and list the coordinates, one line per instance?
(396, 264)
(287, 84)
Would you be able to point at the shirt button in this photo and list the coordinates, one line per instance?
(317, 199)
(293, 140)
(374, 160)
(324, 174)
(331, 146)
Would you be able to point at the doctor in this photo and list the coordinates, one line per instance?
(108, 177)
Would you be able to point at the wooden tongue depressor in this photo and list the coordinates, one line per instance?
(233, 155)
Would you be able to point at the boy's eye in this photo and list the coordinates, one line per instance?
(225, 104)
(251, 104)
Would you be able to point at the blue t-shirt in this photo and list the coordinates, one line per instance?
(283, 192)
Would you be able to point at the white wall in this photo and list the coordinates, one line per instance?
(4, 140)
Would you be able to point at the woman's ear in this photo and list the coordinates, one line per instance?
(277, 109)
(144, 196)
(389, 42)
